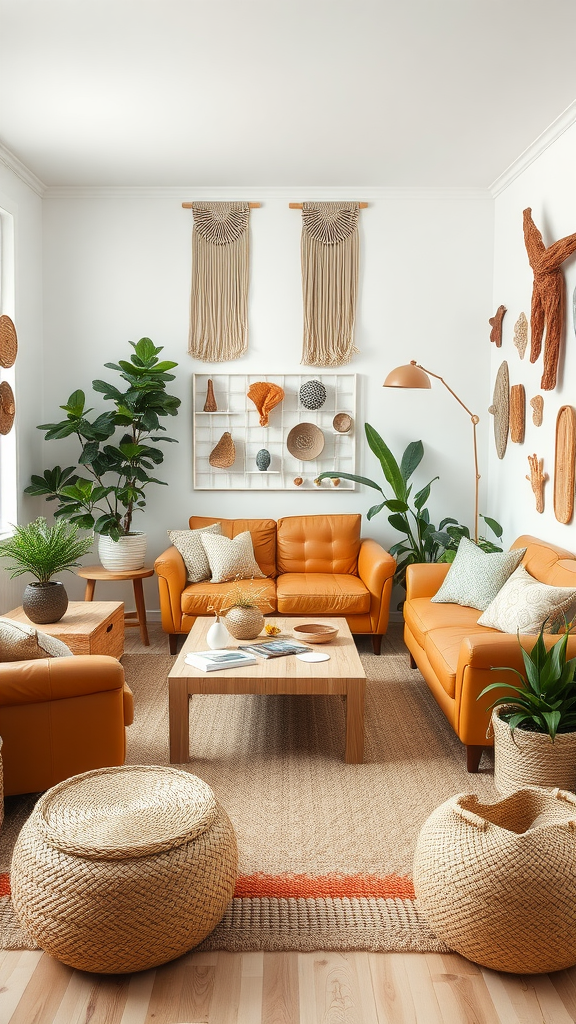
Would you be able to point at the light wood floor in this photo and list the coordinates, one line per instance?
(282, 988)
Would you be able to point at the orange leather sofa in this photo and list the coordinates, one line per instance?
(314, 565)
(455, 655)
(60, 717)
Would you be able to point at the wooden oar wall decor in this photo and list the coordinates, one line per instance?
(564, 464)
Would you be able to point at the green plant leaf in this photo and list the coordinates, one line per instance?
(374, 510)
(390, 467)
(411, 459)
(347, 476)
(497, 530)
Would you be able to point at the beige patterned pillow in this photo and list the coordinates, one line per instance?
(188, 543)
(524, 603)
(231, 559)
(19, 642)
(476, 576)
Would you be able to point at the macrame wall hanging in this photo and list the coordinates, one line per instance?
(330, 249)
(219, 296)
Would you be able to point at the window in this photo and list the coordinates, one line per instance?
(8, 484)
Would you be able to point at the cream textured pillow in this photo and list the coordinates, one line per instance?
(19, 642)
(524, 603)
(231, 559)
(476, 576)
(188, 543)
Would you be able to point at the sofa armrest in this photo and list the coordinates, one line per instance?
(47, 679)
(423, 579)
(171, 573)
(376, 568)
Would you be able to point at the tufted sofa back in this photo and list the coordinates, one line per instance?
(318, 544)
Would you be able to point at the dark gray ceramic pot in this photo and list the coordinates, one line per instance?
(45, 602)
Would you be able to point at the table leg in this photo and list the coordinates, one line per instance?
(178, 718)
(141, 611)
(90, 586)
(354, 753)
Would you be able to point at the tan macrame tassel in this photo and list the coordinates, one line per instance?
(219, 296)
(330, 249)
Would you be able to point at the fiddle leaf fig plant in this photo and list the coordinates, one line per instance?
(421, 541)
(118, 469)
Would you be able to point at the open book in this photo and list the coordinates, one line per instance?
(209, 661)
(275, 648)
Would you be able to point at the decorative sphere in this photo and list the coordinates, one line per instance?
(312, 394)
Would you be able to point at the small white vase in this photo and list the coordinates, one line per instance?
(217, 636)
(123, 555)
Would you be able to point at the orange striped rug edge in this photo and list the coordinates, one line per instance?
(332, 886)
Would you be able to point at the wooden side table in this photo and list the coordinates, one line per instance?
(92, 573)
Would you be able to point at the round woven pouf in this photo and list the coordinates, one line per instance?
(497, 882)
(122, 869)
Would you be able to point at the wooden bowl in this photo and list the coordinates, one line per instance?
(315, 633)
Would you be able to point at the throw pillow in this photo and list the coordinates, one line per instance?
(524, 603)
(476, 576)
(188, 543)
(19, 642)
(231, 559)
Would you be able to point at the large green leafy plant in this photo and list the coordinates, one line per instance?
(422, 541)
(545, 701)
(44, 550)
(118, 471)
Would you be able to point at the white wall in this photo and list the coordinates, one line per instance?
(25, 206)
(547, 186)
(119, 268)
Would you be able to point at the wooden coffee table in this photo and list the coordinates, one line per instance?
(342, 674)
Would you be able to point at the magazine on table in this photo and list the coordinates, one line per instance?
(275, 648)
(210, 661)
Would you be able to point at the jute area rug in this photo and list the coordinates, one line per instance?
(326, 848)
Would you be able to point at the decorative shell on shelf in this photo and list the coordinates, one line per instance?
(263, 459)
(298, 481)
(265, 397)
(224, 454)
(312, 394)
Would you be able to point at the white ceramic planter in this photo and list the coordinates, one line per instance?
(123, 555)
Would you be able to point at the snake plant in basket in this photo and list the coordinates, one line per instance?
(534, 724)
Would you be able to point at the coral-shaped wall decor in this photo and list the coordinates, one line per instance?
(496, 325)
(521, 334)
(537, 479)
(537, 404)
(548, 297)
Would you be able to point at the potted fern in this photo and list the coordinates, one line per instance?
(534, 724)
(43, 551)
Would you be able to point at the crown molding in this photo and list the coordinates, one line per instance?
(565, 120)
(253, 193)
(24, 173)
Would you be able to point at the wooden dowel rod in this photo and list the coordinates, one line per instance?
(253, 206)
(298, 206)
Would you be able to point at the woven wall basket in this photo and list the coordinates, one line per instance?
(122, 869)
(531, 759)
(497, 882)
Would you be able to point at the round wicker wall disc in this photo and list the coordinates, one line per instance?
(7, 407)
(500, 409)
(8, 342)
(305, 441)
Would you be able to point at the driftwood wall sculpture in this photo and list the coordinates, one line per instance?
(517, 413)
(521, 334)
(564, 463)
(500, 409)
(548, 297)
(537, 479)
(537, 404)
(496, 325)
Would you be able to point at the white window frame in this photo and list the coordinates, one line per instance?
(8, 460)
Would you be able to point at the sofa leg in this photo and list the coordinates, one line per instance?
(473, 755)
(412, 662)
(173, 641)
(376, 642)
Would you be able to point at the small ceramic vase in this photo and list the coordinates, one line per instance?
(263, 459)
(217, 636)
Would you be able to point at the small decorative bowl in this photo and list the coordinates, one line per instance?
(316, 633)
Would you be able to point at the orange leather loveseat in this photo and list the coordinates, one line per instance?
(314, 565)
(60, 717)
(455, 655)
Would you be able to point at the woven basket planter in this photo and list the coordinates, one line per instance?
(122, 869)
(125, 554)
(497, 882)
(531, 759)
(244, 623)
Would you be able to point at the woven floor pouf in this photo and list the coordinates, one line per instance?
(497, 882)
(125, 868)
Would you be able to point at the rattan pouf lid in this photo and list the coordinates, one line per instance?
(125, 812)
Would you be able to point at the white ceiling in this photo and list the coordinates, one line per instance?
(281, 92)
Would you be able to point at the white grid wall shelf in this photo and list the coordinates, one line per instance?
(237, 414)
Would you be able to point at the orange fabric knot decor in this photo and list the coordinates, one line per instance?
(548, 296)
(265, 396)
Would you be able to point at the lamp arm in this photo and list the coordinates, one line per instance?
(475, 420)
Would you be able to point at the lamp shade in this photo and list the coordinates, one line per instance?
(409, 376)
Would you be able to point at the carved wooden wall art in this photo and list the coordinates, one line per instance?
(517, 413)
(496, 325)
(537, 479)
(500, 409)
(564, 464)
(537, 404)
(521, 334)
(210, 403)
(548, 297)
